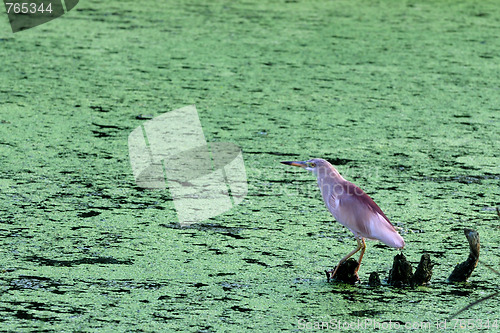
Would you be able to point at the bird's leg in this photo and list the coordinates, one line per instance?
(347, 257)
(363, 248)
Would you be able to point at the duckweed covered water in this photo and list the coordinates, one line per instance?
(402, 97)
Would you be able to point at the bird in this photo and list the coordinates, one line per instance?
(352, 208)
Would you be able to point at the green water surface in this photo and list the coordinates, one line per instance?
(403, 97)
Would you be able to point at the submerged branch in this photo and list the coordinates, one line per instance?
(464, 270)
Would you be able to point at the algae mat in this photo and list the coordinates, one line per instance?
(401, 96)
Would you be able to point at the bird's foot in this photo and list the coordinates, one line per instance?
(345, 272)
(329, 274)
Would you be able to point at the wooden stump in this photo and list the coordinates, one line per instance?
(374, 280)
(423, 272)
(401, 272)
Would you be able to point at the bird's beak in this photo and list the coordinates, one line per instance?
(296, 163)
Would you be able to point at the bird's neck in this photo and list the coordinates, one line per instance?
(328, 178)
(328, 172)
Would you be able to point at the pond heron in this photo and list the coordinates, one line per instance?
(352, 208)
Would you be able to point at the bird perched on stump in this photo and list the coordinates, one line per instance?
(352, 208)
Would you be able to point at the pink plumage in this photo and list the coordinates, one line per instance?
(352, 208)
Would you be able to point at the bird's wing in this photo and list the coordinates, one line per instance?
(364, 200)
(353, 208)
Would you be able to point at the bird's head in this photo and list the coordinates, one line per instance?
(315, 165)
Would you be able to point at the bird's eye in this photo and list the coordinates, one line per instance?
(312, 165)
